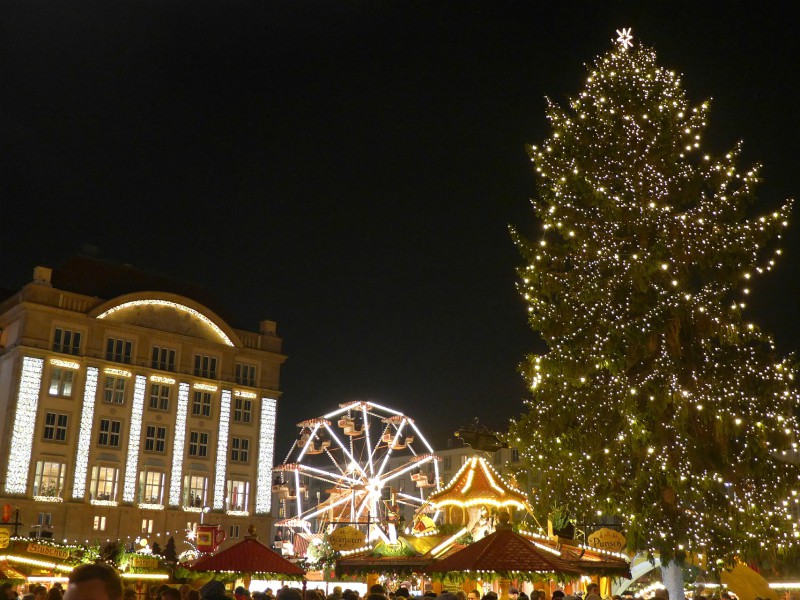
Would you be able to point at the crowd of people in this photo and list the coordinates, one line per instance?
(102, 582)
(34, 591)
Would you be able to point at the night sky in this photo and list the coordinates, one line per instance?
(350, 169)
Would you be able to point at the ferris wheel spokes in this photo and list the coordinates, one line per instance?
(309, 441)
(346, 451)
(415, 464)
(369, 442)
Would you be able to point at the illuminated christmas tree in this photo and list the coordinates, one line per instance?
(655, 403)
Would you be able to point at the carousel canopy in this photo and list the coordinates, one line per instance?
(505, 552)
(477, 483)
(248, 556)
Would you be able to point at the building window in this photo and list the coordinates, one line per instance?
(448, 463)
(233, 531)
(514, 455)
(104, 483)
(55, 427)
(205, 366)
(195, 489)
(236, 497)
(240, 449)
(99, 523)
(109, 433)
(147, 526)
(151, 487)
(45, 519)
(49, 479)
(198, 444)
(66, 341)
(242, 410)
(245, 374)
(61, 382)
(159, 396)
(155, 439)
(114, 390)
(119, 350)
(201, 405)
(464, 458)
(163, 359)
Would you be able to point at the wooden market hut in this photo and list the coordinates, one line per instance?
(249, 558)
(506, 555)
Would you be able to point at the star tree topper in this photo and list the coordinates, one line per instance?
(625, 38)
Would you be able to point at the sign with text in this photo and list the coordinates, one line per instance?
(607, 539)
(5, 537)
(347, 538)
(143, 562)
(47, 551)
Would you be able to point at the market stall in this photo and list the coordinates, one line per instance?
(504, 556)
(248, 559)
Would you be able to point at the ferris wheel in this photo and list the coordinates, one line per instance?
(355, 458)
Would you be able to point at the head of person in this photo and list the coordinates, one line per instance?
(128, 594)
(94, 582)
(5, 591)
(490, 596)
(377, 588)
(513, 593)
(269, 592)
(474, 595)
(171, 594)
(193, 595)
(558, 594)
(593, 588)
(213, 590)
(374, 596)
(40, 592)
(402, 592)
(53, 594)
(288, 593)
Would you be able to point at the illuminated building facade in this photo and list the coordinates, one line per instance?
(138, 414)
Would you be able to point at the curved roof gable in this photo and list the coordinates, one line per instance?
(168, 312)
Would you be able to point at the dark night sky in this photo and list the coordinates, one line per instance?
(349, 169)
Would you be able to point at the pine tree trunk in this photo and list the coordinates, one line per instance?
(672, 577)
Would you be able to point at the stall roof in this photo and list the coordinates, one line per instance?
(248, 556)
(505, 551)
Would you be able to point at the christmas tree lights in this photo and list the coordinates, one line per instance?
(656, 403)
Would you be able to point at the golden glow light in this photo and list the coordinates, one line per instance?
(174, 305)
(117, 372)
(206, 387)
(64, 364)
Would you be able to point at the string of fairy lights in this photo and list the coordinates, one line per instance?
(655, 394)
